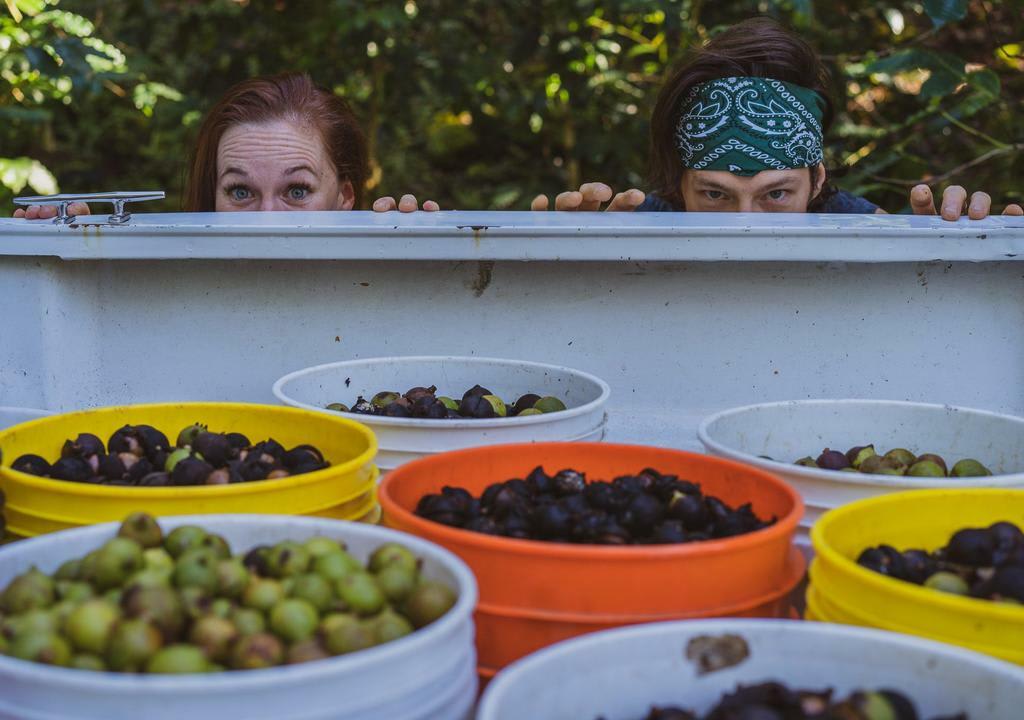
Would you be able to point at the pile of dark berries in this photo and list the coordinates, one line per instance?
(898, 461)
(775, 701)
(424, 403)
(141, 455)
(646, 508)
(986, 563)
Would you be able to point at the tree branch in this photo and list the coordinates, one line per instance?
(936, 179)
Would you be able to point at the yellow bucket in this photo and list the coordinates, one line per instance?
(38, 505)
(843, 591)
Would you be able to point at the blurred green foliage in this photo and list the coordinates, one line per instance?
(483, 103)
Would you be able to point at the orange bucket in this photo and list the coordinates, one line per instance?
(534, 593)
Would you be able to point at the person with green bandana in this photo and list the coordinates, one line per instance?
(739, 127)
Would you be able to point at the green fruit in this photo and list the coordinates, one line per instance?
(429, 601)
(188, 435)
(114, 596)
(157, 559)
(392, 554)
(248, 621)
(389, 626)
(73, 590)
(969, 467)
(218, 545)
(336, 565)
(863, 454)
(361, 593)
(196, 601)
(346, 633)
(232, 577)
(871, 465)
(262, 593)
(180, 539)
(314, 589)
(143, 529)
(260, 650)
(87, 661)
(448, 402)
(498, 404)
(29, 590)
(396, 582)
(549, 404)
(149, 578)
(197, 568)
(69, 570)
(306, 651)
(890, 466)
(176, 457)
(222, 607)
(925, 468)
(62, 610)
(33, 622)
(89, 626)
(529, 411)
(382, 399)
(215, 636)
(293, 619)
(132, 644)
(804, 461)
(178, 659)
(87, 569)
(317, 546)
(875, 706)
(947, 582)
(937, 459)
(48, 649)
(338, 407)
(159, 605)
(287, 558)
(901, 456)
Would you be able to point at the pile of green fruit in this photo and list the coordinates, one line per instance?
(898, 461)
(424, 403)
(182, 603)
(142, 456)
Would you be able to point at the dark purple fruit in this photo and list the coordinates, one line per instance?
(83, 446)
(568, 482)
(125, 440)
(475, 406)
(551, 522)
(31, 464)
(396, 409)
(525, 402)
(156, 479)
(152, 440)
(476, 391)
(670, 531)
(237, 440)
(971, 546)
(72, 469)
(191, 471)
(139, 470)
(643, 513)
(832, 460)
(1008, 582)
(214, 447)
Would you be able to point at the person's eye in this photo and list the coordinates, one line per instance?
(714, 194)
(238, 193)
(297, 193)
(778, 195)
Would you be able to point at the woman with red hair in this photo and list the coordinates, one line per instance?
(275, 143)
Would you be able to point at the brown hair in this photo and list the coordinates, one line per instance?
(759, 47)
(290, 96)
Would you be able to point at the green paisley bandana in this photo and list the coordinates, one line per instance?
(748, 124)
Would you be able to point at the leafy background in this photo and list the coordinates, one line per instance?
(483, 103)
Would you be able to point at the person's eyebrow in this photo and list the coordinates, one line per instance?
(234, 171)
(710, 185)
(300, 168)
(784, 184)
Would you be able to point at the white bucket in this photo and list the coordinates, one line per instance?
(619, 674)
(787, 431)
(428, 674)
(401, 440)
(10, 416)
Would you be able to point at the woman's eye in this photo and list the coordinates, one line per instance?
(778, 195)
(298, 192)
(239, 193)
(714, 194)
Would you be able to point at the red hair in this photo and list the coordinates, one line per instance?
(290, 96)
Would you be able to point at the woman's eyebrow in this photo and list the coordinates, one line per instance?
(234, 171)
(300, 168)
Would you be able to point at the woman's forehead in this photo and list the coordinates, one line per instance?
(279, 144)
